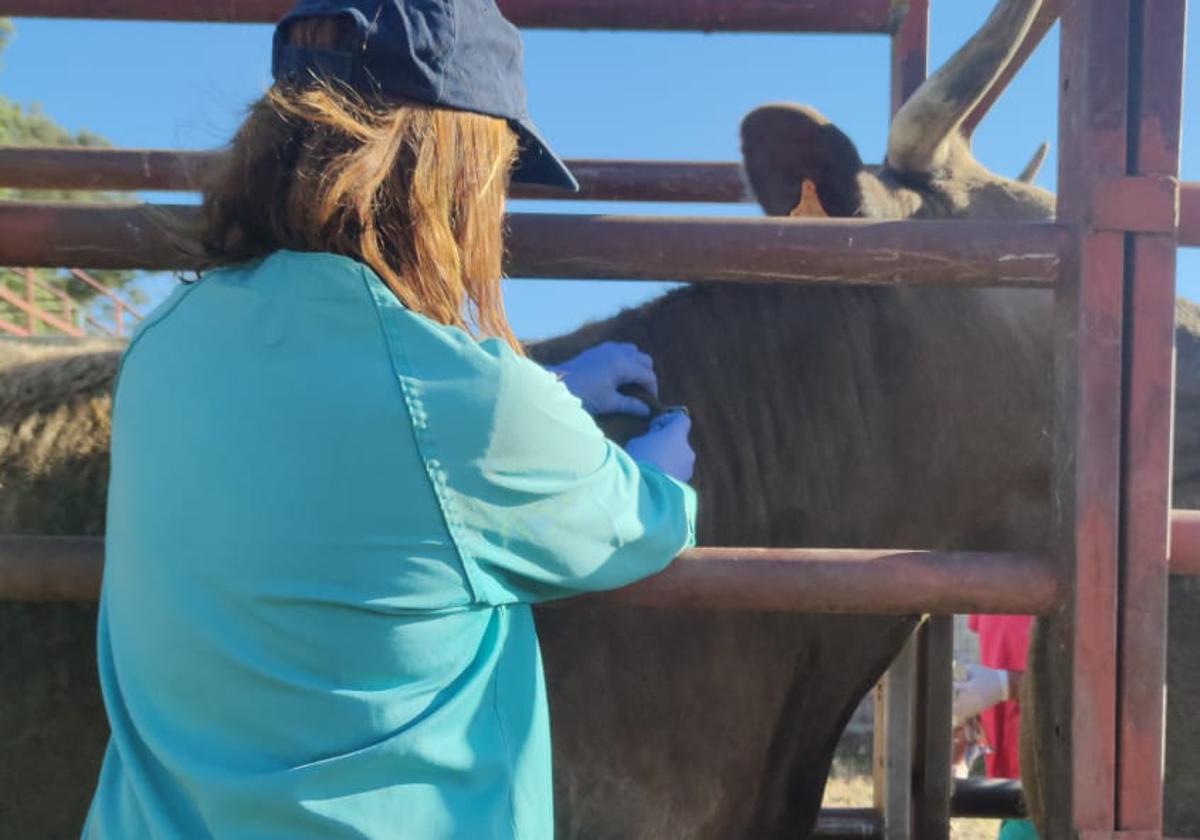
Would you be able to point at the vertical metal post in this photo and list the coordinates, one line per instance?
(30, 316)
(1155, 95)
(897, 694)
(910, 50)
(931, 760)
(1075, 649)
(893, 744)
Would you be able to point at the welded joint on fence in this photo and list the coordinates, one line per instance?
(898, 14)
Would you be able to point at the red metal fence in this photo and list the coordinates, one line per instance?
(705, 15)
(73, 318)
(1109, 256)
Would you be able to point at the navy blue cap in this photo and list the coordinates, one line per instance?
(454, 53)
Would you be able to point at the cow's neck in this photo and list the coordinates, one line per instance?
(851, 415)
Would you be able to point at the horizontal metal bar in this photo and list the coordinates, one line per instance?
(684, 249)
(1185, 542)
(50, 320)
(646, 180)
(1136, 204)
(851, 581)
(9, 328)
(50, 568)
(768, 579)
(991, 799)
(31, 278)
(59, 168)
(67, 168)
(703, 15)
(74, 168)
(838, 580)
(100, 290)
(756, 250)
(1189, 214)
(848, 824)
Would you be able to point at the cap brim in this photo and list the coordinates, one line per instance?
(536, 164)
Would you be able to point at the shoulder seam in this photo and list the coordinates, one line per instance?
(394, 342)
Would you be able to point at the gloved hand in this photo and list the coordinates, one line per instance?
(666, 445)
(977, 688)
(595, 375)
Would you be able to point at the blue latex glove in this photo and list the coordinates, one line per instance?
(666, 445)
(595, 375)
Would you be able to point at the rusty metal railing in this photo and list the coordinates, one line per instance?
(751, 250)
(35, 313)
(72, 312)
(766, 579)
(73, 168)
(865, 16)
(717, 182)
(810, 580)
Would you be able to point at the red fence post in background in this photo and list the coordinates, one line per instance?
(34, 312)
(119, 306)
(31, 298)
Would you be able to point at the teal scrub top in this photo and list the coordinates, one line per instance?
(328, 516)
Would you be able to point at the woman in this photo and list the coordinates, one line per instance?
(337, 484)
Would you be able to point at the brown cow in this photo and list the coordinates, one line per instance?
(823, 416)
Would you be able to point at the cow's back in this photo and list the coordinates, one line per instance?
(55, 405)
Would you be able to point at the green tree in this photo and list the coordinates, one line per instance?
(29, 126)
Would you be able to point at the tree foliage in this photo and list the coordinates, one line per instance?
(28, 125)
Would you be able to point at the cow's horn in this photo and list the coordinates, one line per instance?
(918, 138)
(1035, 164)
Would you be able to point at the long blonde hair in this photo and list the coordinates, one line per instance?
(416, 192)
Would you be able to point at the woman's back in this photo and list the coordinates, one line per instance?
(314, 617)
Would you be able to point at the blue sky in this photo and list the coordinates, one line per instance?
(594, 94)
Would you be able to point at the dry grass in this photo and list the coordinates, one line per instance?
(846, 791)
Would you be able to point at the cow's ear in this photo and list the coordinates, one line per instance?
(800, 164)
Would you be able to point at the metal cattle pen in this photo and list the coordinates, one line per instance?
(1109, 257)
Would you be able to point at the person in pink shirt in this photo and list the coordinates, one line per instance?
(990, 690)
